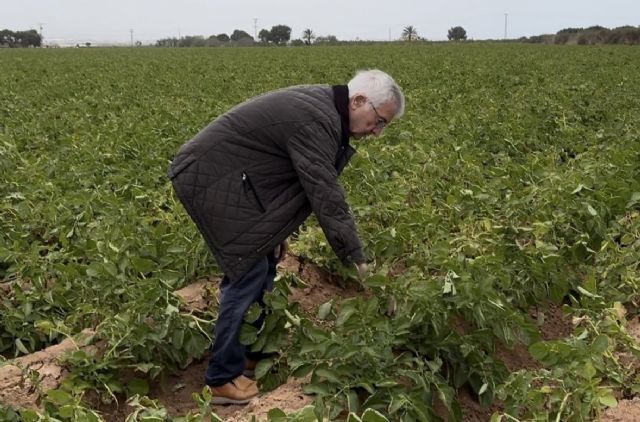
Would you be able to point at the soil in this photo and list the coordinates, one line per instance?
(18, 391)
(175, 391)
(626, 410)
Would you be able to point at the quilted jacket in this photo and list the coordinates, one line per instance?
(253, 175)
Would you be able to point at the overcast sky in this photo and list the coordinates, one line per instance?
(112, 20)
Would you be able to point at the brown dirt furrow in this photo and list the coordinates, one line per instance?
(288, 398)
(175, 393)
(16, 386)
(627, 410)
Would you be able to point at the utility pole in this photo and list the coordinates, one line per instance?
(505, 25)
(41, 37)
(255, 29)
(131, 31)
(389, 33)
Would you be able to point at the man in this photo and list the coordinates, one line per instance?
(253, 175)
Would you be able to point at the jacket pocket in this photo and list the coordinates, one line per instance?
(251, 191)
(228, 209)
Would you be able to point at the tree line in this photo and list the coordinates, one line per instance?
(589, 36)
(277, 35)
(456, 33)
(14, 39)
(281, 35)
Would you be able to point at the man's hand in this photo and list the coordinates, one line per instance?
(280, 251)
(363, 270)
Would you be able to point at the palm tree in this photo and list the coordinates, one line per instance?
(308, 35)
(410, 33)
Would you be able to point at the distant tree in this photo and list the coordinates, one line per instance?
(192, 41)
(222, 37)
(596, 28)
(280, 34)
(326, 39)
(562, 37)
(298, 42)
(245, 42)
(569, 31)
(264, 35)
(138, 43)
(7, 37)
(308, 36)
(29, 38)
(457, 33)
(87, 44)
(239, 34)
(410, 33)
(213, 41)
(168, 42)
(624, 35)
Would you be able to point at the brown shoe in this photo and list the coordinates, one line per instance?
(237, 391)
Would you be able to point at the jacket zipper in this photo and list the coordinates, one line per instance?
(246, 179)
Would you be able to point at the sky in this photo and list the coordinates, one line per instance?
(112, 21)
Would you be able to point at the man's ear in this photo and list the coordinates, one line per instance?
(357, 101)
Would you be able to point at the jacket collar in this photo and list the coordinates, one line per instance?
(341, 101)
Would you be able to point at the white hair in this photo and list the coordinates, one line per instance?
(378, 87)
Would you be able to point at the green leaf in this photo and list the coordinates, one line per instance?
(276, 415)
(248, 334)
(588, 371)
(278, 302)
(600, 344)
(345, 313)
(377, 280)
(253, 313)
(539, 350)
(177, 338)
(59, 397)
(587, 293)
(302, 370)
(353, 403)
(143, 265)
(306, 414)
(324, 310)
(318, 408)
(327, 374)
(138, 386)
(353, 418)
(20, 346)
(608, 400)
(66, 411)
(263, 367)
(483, 388)
(372, 415)
(315, 388)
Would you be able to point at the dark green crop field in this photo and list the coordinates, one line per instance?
(510, 186)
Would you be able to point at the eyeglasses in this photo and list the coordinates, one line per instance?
(381, 122)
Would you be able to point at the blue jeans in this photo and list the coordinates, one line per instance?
(227, 354)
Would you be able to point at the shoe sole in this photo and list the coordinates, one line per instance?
(226, 400)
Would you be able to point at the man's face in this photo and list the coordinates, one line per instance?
(367, 119)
